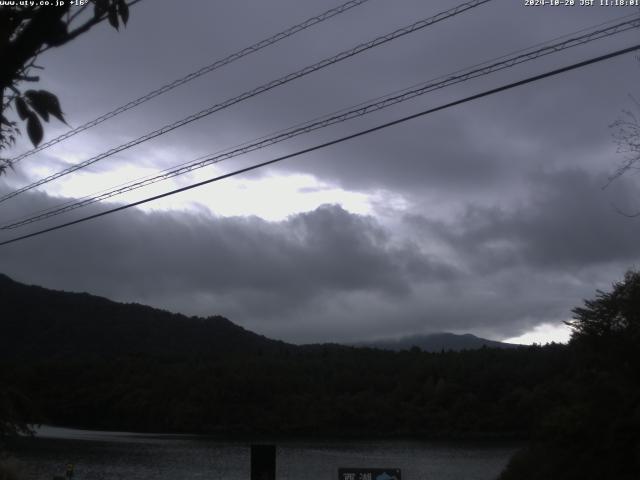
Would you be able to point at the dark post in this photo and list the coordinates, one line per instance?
(263, 462)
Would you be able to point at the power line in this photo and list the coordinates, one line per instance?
(198, 73)
(257, 91)
(203, 157)
(388, 95)
(339, 117)
(336, 141)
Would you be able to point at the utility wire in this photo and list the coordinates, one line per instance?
(203, 157)
(198, 73)
(153, 178)
(339, 117)
(396, 92)
(327, 120)
(486, 93)
(257, 91)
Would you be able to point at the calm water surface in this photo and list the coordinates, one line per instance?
(117, 455)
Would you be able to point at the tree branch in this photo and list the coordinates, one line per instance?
(84, 27)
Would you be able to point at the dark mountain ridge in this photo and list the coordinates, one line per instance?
(71, 359)
(42, 323)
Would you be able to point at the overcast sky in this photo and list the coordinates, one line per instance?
(487, 218)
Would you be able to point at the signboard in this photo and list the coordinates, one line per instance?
(369, 474)
(263, 462)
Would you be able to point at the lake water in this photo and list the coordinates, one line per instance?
(129, 456)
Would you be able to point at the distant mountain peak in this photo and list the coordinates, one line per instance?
(435, 342)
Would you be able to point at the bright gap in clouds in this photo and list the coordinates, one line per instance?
(272, 198)
(543, 334)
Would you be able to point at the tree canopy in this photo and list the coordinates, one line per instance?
(615, 313)
(592, 431)
(26, 32)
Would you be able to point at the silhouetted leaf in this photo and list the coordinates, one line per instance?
(22, 109)
(123, 10)
(45, 103)
(34, 129)
(37, 104)
(100, 7)
(113, 16)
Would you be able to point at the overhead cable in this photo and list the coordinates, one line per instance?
(257, 91)
(333, 142)
(340, 117)
(195, 74)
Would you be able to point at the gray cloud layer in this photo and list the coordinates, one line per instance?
(505, 226)
(331, 275)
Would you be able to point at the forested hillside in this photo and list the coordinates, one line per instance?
(38, 323)
(87, 361)
(77, 360)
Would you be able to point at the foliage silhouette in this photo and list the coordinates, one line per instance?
(593, 432)
(88, 362)
(26, 31)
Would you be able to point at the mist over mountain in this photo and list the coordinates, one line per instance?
(86, 361)
(42, 323)
(78, 360)
(436, 342)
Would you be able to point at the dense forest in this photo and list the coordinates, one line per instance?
(78, 360)
(327, 390)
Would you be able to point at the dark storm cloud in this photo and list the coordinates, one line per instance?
(487, 243)
(481, 145)
(331, 275)
(485, 144)
(110, 68)
(258, 270)
(568, 224)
